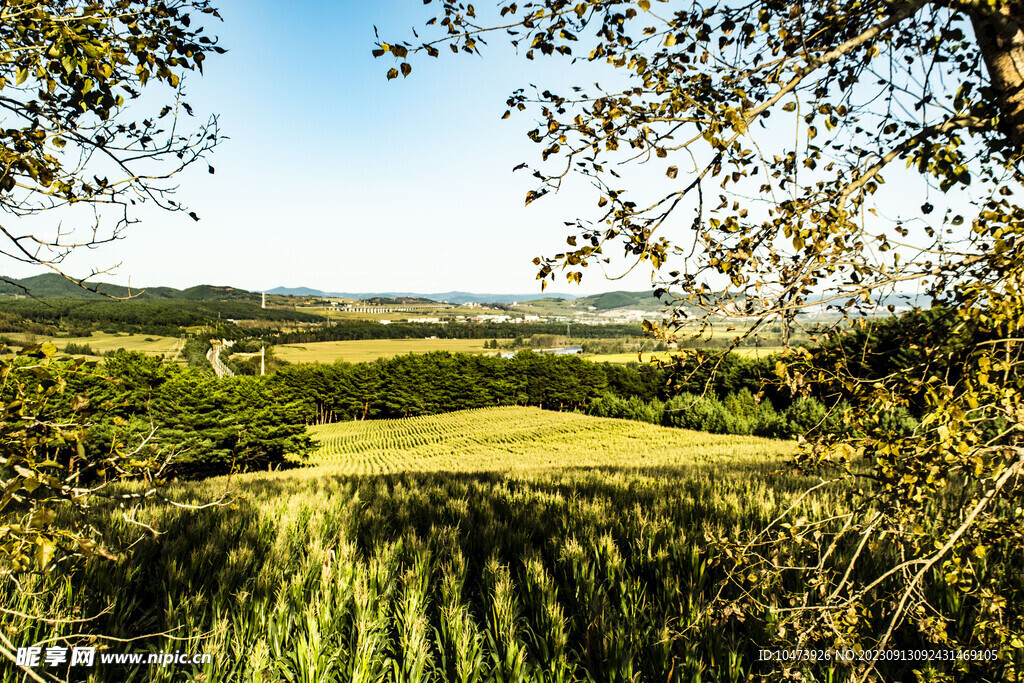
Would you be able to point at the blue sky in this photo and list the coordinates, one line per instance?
(337, 179)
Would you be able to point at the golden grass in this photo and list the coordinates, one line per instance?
(365, 350)
(511, 439)
(102, 342)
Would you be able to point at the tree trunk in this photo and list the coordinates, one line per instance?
(1000, 34)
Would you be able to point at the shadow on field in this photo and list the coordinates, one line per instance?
(594, 569)
(596, 561)
(203, 558)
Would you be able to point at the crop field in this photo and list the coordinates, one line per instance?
(365, 350)
(503, 544)
(519, 439)
(646, 357)
(102, 342)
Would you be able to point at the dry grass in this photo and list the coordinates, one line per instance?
(102, 342)
(366, 350)
(521, 439)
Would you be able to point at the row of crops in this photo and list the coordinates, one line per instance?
(518, 438)
(492, 546)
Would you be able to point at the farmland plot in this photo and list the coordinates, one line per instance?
(518, 438)
(503, 544)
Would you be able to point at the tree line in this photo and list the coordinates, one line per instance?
(424, 384)
(351, 331)
(148, 317)
(181, 419)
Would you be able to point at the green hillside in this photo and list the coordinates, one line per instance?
(609, 300)
(54, 286)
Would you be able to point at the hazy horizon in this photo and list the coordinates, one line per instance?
(336, 179)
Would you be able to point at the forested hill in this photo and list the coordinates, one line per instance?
(611, 300)
(152, 316)
(54, 286)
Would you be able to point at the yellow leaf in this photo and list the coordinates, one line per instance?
(44, 553)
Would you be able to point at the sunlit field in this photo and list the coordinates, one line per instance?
(522, 440)
(101, 342)
(365, 350)
(501, 544)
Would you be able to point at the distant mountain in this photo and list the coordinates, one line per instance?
(611, 300)
(298, 291)
(54, 286)
(450, 297)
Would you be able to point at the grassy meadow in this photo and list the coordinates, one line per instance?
(366, 350)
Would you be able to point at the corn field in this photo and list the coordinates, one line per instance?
(519, 438)
(497, 545)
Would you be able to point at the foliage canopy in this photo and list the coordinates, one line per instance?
(778, 125)
(76, 127)
(77, 131)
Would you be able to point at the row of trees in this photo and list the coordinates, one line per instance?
(191, 423)
(371, 330)
(738, 413)
(151, 317)
(437, 382)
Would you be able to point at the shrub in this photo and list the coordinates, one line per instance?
(632, 408)
(701, 413)
(79, 350)
(804, 415)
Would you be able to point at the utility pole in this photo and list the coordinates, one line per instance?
(263, 361)
(264, 304)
